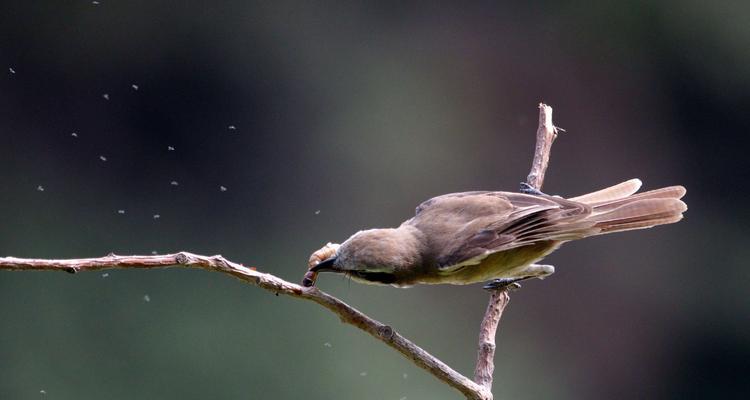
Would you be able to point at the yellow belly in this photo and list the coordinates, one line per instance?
(505, 264)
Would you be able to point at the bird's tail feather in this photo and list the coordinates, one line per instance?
(615, 192)
(618, 208)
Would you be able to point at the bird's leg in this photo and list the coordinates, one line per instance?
(528, 189)
(531, 271)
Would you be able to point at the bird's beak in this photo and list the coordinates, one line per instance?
(312, 273)
(324, 266)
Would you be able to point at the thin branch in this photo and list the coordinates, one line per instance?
(486, 354)
(269, 282)
(499, 299)
(479, 389)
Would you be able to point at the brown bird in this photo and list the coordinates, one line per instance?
(470, 237)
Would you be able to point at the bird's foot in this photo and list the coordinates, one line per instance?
(528, 189)
(508, 284)
(531, 271)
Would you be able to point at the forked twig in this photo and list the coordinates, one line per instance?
(478, 389)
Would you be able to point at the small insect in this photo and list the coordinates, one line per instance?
(134, 86)
(316, 258)
(106, 96)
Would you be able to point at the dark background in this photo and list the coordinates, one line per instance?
(346, 116)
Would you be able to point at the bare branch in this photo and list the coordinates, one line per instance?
(479, 389)
(486, 354)
(545, 135)
(269, 282)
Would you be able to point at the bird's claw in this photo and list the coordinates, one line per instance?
(528, 189)
(508, 284)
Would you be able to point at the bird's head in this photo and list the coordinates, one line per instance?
(377, 256)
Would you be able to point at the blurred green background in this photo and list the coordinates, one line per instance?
(320, 119)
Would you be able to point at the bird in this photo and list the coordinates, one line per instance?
(480, 236)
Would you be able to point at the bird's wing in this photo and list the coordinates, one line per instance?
(528, 219)
(449, 200)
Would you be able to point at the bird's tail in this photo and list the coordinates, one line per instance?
(619, 208)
